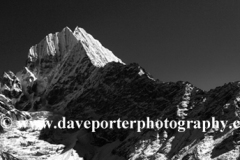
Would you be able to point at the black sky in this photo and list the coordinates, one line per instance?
(190, 40)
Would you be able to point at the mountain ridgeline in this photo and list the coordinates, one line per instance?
(70, 74)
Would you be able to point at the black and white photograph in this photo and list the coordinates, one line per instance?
(120, 80)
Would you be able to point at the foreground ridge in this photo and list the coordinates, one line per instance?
(70, 74)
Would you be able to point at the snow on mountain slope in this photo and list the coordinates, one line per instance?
(71, 74)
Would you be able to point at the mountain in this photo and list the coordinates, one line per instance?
(70, 74)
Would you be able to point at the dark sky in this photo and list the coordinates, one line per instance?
(191, 40)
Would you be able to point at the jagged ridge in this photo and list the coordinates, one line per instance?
(72, 74)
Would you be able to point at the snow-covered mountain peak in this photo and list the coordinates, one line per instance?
(71, 74)
(44, 56)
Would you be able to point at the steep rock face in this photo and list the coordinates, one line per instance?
(73, 75)
(63, 58)
(10, 92)
(10, 85)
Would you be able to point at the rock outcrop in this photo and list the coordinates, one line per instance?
(70, 74)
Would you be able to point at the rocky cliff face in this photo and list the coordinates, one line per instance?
(71, 74)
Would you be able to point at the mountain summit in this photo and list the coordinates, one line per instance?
(70, 74)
